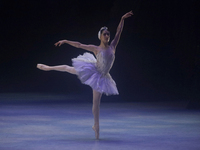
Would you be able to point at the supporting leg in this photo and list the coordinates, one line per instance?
(63, 68)
(95, 111)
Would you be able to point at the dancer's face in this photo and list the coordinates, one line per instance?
(105, 36)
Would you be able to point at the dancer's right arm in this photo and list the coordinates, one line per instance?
(91, 48)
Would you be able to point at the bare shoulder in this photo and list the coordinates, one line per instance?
(98, 49)
(112, 48)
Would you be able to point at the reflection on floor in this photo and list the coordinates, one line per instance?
(123, 126)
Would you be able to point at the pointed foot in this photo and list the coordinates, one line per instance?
(43, 67)
(96, 130)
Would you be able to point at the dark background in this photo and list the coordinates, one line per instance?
(157, 58)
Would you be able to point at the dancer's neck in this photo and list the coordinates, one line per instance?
(104, 45)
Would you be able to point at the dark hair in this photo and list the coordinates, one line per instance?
(101, 30)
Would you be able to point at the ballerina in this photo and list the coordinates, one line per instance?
(94, 71)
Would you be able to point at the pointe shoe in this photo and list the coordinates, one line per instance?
(43, 67)
(96, 132)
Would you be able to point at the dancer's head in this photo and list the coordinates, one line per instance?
(104, 34)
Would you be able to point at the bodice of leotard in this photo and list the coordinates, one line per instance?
(105, 60)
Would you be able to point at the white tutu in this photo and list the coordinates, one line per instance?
(88, 72)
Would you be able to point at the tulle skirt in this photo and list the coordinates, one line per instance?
(87, 72)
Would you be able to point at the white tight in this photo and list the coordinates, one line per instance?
(95, 111)
(96, 95)
(63, 68)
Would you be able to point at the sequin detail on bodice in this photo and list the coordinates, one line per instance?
(105, 60)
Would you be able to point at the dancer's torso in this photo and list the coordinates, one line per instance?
(105, 60)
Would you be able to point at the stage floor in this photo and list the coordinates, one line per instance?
(123, 126)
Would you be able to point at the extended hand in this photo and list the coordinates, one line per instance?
(59, 43)
(129, 14)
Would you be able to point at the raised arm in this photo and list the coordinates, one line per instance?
(119, 29)
(91, 48)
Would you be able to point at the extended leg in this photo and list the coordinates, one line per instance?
(95, 111)
(64, 68)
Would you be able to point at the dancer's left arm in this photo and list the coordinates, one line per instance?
(119, 29)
